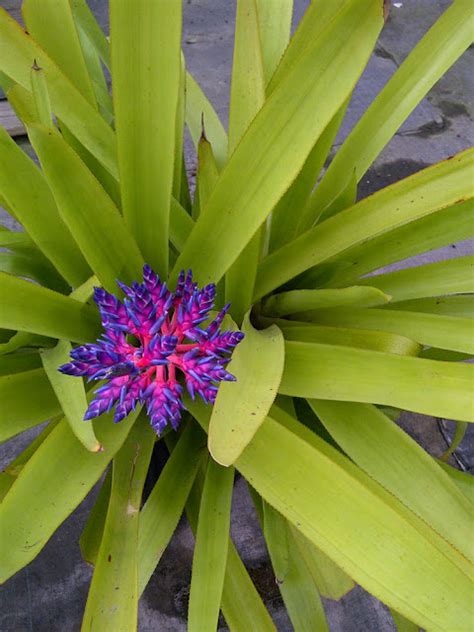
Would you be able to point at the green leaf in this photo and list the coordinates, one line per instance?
(40, 94)
(431, 353)
(452, 276)
(446, 332)
(36, 505)
(181, 225)
(52, 26)
(112, 602)
(207, 174)
(164, 506)
(277, 540)
(211, 548)
(241, 406)
(17, 362)
(11, 472)
(462, 306)
(17, 52)
(374, 340)
(87, 22)
(403, 625)
(407, 565)
(463, 480)
(292, 575)
(347, 197)
(146, 59)
(324, 67)
(304, 300)
(199, 109)
(397, 462)
(96, 73)
(312, 26)
(288, 214)
(178, 162)
(26, 400)
(247, 90)
(274, 25)
(71, 394)
(439, 229)
(425, 192)
(330, 580)
(32, 203)
(107, 180)
(435, 53)
(91, 536)
(461, 428)
(88, 211)
(343, 373)
(53, 315)
(31, 265)
(23, 339)
(242, 606)
(247, 95)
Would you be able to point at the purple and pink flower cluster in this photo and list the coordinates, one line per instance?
(149, 340)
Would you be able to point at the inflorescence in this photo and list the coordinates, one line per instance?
(149, 339)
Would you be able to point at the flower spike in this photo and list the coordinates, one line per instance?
(150, 339)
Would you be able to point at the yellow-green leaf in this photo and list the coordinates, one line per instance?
(211, 548)
(241, 406)
(70, 393)
(146, 59)
(342, 373)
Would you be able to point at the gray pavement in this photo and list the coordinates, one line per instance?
(49, 595)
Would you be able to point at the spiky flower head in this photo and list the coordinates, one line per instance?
(151, 339)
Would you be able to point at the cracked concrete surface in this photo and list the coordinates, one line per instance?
(49, 594)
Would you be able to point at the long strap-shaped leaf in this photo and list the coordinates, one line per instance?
(330, 580)
(241, 407)
(93, 531)
(303, 300)
(211, 548)
(407, 565)
(13, 469)
(360, 338)
(26, 400)
(398, 463)
(429, 60)
(70, 393)
(37, 504)
(300, 595)
(146, 61)
(198, 107)
(33, 205)
(164, 506)
(433, 231)
(410, 199)
(347, 374)
(87, 22)
(261, 159)
(51, 24)
(454, 276)
(247, 95)
(87, 210)
(17, 52)
(54, 314)
(458, 305)
(274, 25)
(112, 602)
(445, 332)
(242, 606)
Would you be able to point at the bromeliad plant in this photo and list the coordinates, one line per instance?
(329, 356)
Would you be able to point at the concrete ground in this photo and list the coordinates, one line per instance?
(49, 595)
